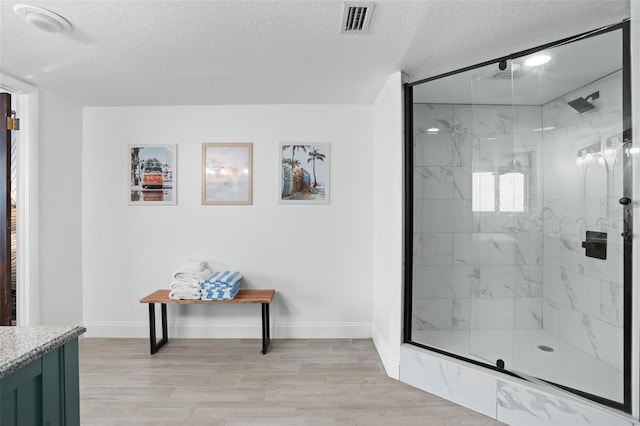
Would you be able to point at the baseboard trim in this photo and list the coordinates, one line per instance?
(391, 363)
(219, 329)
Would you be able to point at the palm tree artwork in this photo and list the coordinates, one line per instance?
(291, 163)
(305, 173)
(293, 153)
(313, 156)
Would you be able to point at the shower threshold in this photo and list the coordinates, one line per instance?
(565, 365)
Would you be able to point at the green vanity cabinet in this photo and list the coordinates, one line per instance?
(43, 391)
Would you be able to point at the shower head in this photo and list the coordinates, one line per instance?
(582, 104)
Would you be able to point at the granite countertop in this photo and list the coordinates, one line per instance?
(21, 345)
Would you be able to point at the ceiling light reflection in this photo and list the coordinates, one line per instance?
(537, 60)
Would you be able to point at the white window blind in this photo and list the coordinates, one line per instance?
(512, 192)
(483, 198)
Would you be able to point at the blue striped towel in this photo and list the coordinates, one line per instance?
(218, 286)
(219, 295)
(224, 277)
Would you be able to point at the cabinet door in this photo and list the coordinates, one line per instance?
(21, 396)
(44, 392)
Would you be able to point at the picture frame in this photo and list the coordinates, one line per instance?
(152, 177)
(304, 172)
(227, 173)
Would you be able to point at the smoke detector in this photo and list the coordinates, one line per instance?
(43, 19)
(356, 17)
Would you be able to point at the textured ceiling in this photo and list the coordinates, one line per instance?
(264, 52)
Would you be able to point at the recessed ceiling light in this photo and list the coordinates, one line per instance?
(433, 130)
(42, 18)
(534, 61)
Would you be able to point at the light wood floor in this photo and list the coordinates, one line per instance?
(314, 382)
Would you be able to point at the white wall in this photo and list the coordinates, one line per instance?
(388, 207)
(59, 210)
(317, 257)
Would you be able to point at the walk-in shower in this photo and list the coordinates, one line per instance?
(518, 239)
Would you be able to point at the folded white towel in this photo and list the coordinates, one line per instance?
(194, 264)
(187, 275)
(183, 294)
(183, 285)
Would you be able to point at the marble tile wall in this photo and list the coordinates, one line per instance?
(509, 400)
(475, 271)
(469, 263)
(520, 404)
(582, 295)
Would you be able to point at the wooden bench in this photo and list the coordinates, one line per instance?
(244, 296)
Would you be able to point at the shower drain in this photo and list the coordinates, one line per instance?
(545, 348)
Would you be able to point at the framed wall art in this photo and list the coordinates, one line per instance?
(304, 173)
(152, 174)
(227, 173)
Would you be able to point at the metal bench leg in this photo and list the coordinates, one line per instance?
(266, 335)
(155, 345)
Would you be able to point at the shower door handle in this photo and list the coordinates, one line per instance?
(626, 217)
(625, 201)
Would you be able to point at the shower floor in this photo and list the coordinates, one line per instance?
(519, 349)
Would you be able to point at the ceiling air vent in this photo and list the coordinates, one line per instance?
(356, 17)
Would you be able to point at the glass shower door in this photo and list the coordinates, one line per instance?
(521, 226)
(579, 341)
(499, 200)
(548, 208)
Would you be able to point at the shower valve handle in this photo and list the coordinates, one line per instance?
(625, 201)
